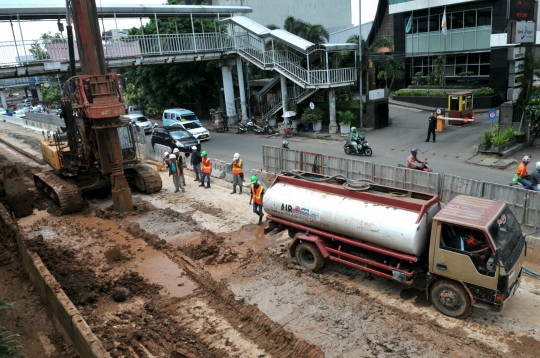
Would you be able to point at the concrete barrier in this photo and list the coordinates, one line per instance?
(65, 316)
(218, 168)
(13, 120)
(159, 152)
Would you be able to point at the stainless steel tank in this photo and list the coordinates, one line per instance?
(386, 226)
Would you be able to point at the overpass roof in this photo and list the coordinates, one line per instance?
(53, 12)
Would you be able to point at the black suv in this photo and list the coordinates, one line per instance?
(174, 137)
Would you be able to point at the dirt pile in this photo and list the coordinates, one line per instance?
(211, 250)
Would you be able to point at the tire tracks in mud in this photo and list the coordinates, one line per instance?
(247, 319)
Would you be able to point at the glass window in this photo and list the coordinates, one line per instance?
(484, 57)
(461, 59)
(450, 60)
(449, 70)
(474, 58)
(469, 18)
(484, 70)
(460, 68)
(473, 68)
(456, 19)
(434, 23)
(423, 24)
(484, 17)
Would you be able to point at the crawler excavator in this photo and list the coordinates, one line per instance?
(96, 148)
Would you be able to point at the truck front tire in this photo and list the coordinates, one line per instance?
(450, 298)
(309, 256)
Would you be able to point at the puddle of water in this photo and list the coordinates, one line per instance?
(150, 263)
(32, 219)
(419, 297)
(185, 238)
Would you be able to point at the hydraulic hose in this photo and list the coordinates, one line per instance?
(353, 185)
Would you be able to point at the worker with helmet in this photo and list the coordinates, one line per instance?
(415, 163)
(238, 173)
(180, 161)
(206, 168)
(522, 175)
(535, 177)
(196, 160)
(257, 193)
(285, 144)
(356, 139)
(176, 170)
(166, 159)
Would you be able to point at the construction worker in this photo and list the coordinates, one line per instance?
(180, 161)
(238, 173)
(166, 159)
(257, 193)
(176, 170)
(196, 160)
(206, 168)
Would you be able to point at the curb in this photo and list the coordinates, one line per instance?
(24, 151)
(65, 317)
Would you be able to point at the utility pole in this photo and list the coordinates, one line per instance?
(360, 59)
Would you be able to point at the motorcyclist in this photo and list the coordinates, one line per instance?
(285, 144)
(523, 177)
(356, 139)
(535, 177)
(415, 163)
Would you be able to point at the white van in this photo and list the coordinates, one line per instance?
(175, 115)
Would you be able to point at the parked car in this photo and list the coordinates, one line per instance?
(21, 113)
(174, 137)
(134, 110)
(194, 128)
(176, 115)
(141, 121)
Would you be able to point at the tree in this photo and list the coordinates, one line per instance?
(395, 69)
(50, 94)
(436, 77)
(315, 33)
(37, 48)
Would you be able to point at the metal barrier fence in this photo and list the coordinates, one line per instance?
(525, 204)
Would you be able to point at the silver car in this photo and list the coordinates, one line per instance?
(141, 121)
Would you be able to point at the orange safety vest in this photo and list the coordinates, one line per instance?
(257, 194)
(237, 168)
(206, 166)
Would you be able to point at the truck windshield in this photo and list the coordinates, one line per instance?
(506, 233)
(188, 117)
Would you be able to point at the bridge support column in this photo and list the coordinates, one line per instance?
(38, 93)
(228, 89)
(332, 109)
(242, 87)
(4, 102)
(283, 91)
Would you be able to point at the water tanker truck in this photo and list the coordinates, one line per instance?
(469, 251)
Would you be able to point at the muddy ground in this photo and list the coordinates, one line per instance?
(191, 275)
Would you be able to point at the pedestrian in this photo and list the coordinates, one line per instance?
(176, 170)
(238, 173)
(166, 160)
(431, 127)
(257, 193)
(180, 161)
(522, 176)
(206, 168)
(196, 160)
(225, 119)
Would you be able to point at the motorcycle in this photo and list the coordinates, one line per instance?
(425, 167)
(266, 128)
(364, 150)
(242, 128)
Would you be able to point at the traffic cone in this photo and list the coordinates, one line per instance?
(472, 119)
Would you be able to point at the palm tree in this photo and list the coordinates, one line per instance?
(395, 69)
(315, 33)
(368, 52)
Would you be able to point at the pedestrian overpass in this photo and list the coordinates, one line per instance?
(308, 66)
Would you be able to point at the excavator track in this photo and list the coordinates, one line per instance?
(144, 177)
(67, 195)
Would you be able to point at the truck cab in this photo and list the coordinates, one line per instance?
(476, 255)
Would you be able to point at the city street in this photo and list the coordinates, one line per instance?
(390, 145)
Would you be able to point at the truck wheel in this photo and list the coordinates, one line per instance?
(450, 298)
(309, 256)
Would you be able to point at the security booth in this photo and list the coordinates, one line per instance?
(460, 106)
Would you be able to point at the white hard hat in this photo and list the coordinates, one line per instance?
(538, 165)
(194, 148)
(236, 155)
(175, 150)
(166, 154)
(172, 156)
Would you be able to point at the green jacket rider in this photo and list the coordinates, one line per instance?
(355, 138)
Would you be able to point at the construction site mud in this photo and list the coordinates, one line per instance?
(191, 275)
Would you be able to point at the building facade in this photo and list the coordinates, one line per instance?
(331, 14)
(475, 43)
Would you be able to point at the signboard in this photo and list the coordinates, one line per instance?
(376, 94)
(517, 66)
(512, 94)
(516, 53)
(492, 115)
(32, 81)
(312, 105)
(515, 80)
(521, 32)
(522, 10)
